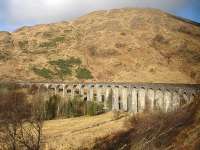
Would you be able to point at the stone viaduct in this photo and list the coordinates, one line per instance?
(132, 97)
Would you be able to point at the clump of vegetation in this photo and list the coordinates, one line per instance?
(68, 62)
(44, 72)
(159, 38)
(94, 108)
(52, 42)
(64, 67)
(120, 45)
(46, 34)
(83, 73)
(59, 39)
(23, 45)
(52, 107)
(57, 107)
(4, 55)
(20, 122)
(49, 44)
(188, 30)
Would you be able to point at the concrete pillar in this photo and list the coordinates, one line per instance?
(134, 100)
(124, 98)
(176, 101)
(72, 92)
(167, 101)
(141, 100)
(191, 97)
(107, 94)
(63, 87)
(99, 93)
(115, 101)
(81, 90)
(150, 99)
(55, 89)
(159, 98)
(90, 93)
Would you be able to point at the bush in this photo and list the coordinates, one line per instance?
(49, 44)
(59, 39)
(52, 107)
(94, 108)
(71, 108)
(4, 55)
(83, 73)
(23, 44)
(68, 62)
(46, 73)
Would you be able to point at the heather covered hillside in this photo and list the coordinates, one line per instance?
(130, 45)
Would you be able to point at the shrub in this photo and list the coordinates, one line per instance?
(120, 45)
(52, 107)
(160, 39)
(4, 55)
(83, 73)
(68, 62)
(20, 122)
(74, 61)
(23, 44)
(116, 115)
(49, 44)
(94, 108)
(59, 39)
(46, 73)
(75, 108)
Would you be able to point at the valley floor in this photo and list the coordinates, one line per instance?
(80, 132)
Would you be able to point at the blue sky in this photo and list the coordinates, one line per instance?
(17, 13)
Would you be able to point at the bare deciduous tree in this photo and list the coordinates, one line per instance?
(20, 122)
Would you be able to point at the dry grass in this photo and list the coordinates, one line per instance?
(80, 132)
(114, 46)
(176, 130)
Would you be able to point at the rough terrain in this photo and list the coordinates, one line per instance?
(131, 45)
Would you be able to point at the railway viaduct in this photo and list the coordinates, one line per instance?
(132, 97)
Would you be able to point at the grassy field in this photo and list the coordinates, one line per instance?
(80, 132)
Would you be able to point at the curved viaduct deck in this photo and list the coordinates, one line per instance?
(133, 97)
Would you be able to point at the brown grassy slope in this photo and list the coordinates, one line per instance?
(135, 45)
(81, 132)
(178, 130)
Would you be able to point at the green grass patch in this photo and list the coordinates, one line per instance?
(44, 72)
(68, 62)
(83, 73)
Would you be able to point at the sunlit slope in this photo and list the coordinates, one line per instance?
(124, 45)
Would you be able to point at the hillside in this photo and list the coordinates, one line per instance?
(122, 45)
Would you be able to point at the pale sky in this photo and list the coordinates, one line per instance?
(17, 13)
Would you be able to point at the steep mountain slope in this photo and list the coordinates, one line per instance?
(131, 45)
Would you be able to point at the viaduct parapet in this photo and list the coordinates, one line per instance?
(132, 97)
